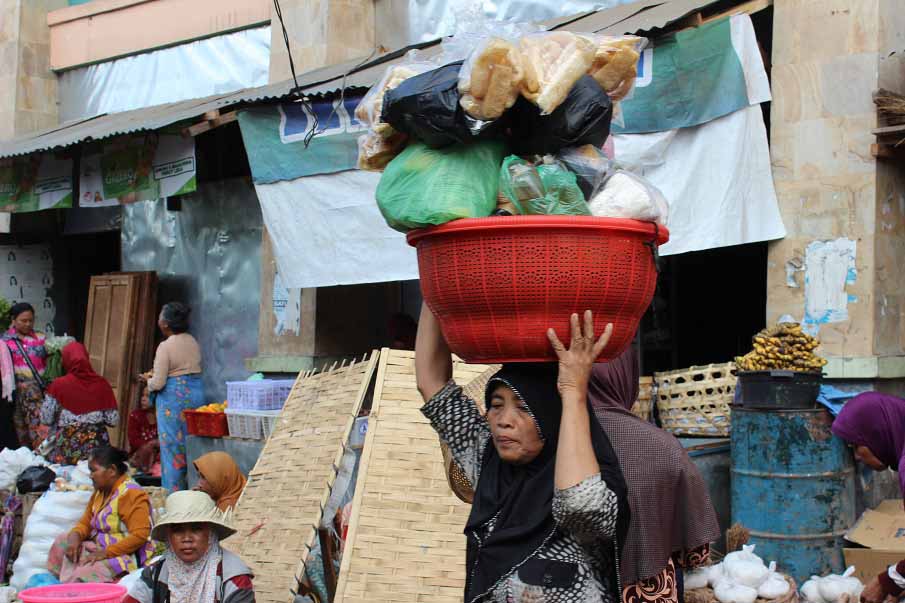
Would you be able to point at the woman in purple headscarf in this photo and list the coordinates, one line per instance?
(874, 426)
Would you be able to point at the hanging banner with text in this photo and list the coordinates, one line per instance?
(35, 182)
(138, 167)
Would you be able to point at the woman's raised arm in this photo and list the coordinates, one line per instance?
(433, 360)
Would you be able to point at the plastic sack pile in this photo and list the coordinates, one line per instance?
(504, 122)
(55, 513)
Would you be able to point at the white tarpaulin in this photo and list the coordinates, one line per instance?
(717, 178)
(215, 65)
(326, 230)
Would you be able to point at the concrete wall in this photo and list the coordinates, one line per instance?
(105, 29)
(28, 89)
(828, 58)
(321, 33)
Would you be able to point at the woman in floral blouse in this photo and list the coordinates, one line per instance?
(78, 408)
(550, 508)
(29, 356)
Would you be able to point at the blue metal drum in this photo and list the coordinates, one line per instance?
(793, 487)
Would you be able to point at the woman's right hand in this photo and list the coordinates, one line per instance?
(73, 546)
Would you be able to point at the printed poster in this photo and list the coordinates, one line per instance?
(27, 276)
(35, 182)
(138, 167)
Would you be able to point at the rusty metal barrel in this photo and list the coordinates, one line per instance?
(793, 487)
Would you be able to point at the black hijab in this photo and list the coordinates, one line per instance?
(520, 497)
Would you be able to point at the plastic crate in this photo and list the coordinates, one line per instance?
(206, 424)
(251, 424)
(267, 394)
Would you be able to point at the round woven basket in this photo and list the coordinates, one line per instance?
(705, 595)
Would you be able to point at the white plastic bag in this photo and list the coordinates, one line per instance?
(745, 568)
(774, 586)
(625, 195)
(14, 462)
(834, 586)
(697, 578)
(726, 591)
(54, 514)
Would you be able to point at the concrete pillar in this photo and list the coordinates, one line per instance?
(28, 88)
(321, 33)
(839, 269)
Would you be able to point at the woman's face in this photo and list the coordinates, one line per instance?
(866, 456)
(145, 402)
(514, 431)
(205, 486)
(24, 323)
(102, 477)
(189, 541)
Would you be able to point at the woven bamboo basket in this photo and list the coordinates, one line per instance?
(695, 401)
(644, 404)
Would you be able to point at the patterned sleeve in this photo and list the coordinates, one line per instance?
(111, 417)
(49, 410)
(693, 558)
(456, 419)
(587, 510)
(239, 590)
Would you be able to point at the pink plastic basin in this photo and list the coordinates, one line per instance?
(83, 592)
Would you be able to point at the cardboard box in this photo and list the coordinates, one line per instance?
(881, 532)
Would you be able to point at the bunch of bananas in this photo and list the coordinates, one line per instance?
(782, 347)
(213, 407)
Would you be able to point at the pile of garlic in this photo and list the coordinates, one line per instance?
(742, 577)
(833, 588)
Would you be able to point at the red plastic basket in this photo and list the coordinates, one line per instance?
(207, 424)
(497, 284)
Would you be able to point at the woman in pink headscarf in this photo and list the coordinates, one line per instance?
(874, 426)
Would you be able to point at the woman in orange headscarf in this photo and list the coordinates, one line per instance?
(220, 478)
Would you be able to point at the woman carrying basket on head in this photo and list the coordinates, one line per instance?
(550, 509)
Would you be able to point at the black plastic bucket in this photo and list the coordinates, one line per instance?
(778, 389)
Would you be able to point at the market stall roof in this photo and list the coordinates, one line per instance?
(643, 15)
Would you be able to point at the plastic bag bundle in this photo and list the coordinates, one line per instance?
(582, 118)
(589, 164)
(426, 187)
(375, 151)
(547, 189)
(553, 62)
(55, 513)
(615, 64)
(370, 108)
(490, 79)
(625, 195)
(35, 479)
(426, 107)
(14, 462)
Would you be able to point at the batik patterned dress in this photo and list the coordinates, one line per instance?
(74, 436)
(180, 393)
(29, 397)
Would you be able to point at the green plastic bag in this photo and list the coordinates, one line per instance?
(548, 189)
(428, 187)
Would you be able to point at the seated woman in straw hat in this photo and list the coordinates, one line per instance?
(194, 569)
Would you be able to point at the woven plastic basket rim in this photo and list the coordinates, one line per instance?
(501, 223)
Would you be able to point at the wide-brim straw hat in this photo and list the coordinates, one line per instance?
(189, 506)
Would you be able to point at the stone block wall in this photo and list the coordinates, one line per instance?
(839, 268)
(28, 88)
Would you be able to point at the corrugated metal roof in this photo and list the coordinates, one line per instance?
(644, 15)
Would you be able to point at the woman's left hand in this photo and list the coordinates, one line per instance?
(94, 557)
(576, 362)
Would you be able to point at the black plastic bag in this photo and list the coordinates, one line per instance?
(426, 107)
(35, 479)
(583, 118)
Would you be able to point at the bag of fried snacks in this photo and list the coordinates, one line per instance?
(552, 63)
(615, 64)
(490, 79)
